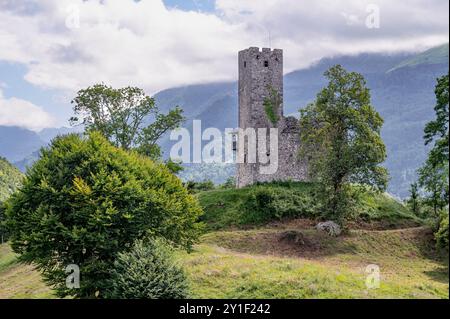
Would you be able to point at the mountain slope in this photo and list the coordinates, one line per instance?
(17, 143)
(437, 55)
(21, 146)
(10, 179)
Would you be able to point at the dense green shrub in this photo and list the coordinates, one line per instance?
(85, 201)
(442, 234)
(229, 183)
(265, 203)
(195, 187)
(147, 271)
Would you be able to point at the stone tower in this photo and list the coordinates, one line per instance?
(260, 76)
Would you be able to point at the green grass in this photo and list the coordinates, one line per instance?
(7, 257)
(248, 264)
(255, 264)
(19, 281)
(235, 260)
(223, 207)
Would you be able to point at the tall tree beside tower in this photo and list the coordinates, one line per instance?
(340, 137)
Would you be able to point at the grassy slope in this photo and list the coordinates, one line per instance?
(234, 261)
(10, 179)
(251, 262)
(255, 264)
(222, 207)
(18, 280)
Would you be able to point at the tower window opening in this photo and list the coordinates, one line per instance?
(245, 64)
(266, 64)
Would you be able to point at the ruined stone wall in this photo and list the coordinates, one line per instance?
(259, 72)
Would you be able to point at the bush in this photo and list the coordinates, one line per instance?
(85, 201)
(195, 187)
(229, 183)
(442, 234)
(148, 271)
(265, 203)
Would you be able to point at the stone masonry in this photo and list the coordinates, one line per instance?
(260, 72)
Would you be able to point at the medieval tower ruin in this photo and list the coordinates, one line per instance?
(261, 80)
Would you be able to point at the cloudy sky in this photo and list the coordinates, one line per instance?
(49, 49)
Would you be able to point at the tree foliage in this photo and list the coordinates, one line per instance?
(85, 201)
(147, 271)
(414, 198)
(437, 130)
(123, 115)
(340, 136)
(442, 234)
(434, 174)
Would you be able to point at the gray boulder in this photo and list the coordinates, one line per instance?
(330, 227)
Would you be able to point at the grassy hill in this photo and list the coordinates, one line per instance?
(256, 264)
(225, 208)
(242, 257)
(10, 179)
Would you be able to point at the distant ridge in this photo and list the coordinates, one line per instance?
(436, 55)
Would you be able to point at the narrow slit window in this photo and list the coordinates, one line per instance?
(245, 64)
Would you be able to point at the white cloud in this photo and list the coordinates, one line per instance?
(17, 112)
(124, 42)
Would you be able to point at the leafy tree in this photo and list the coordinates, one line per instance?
(174, 166)
(437, 130)
(147, 271)
(433, 176)
(340, 137)
(442, 234)
(122, 116)
(414, 197)
(85, 201)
